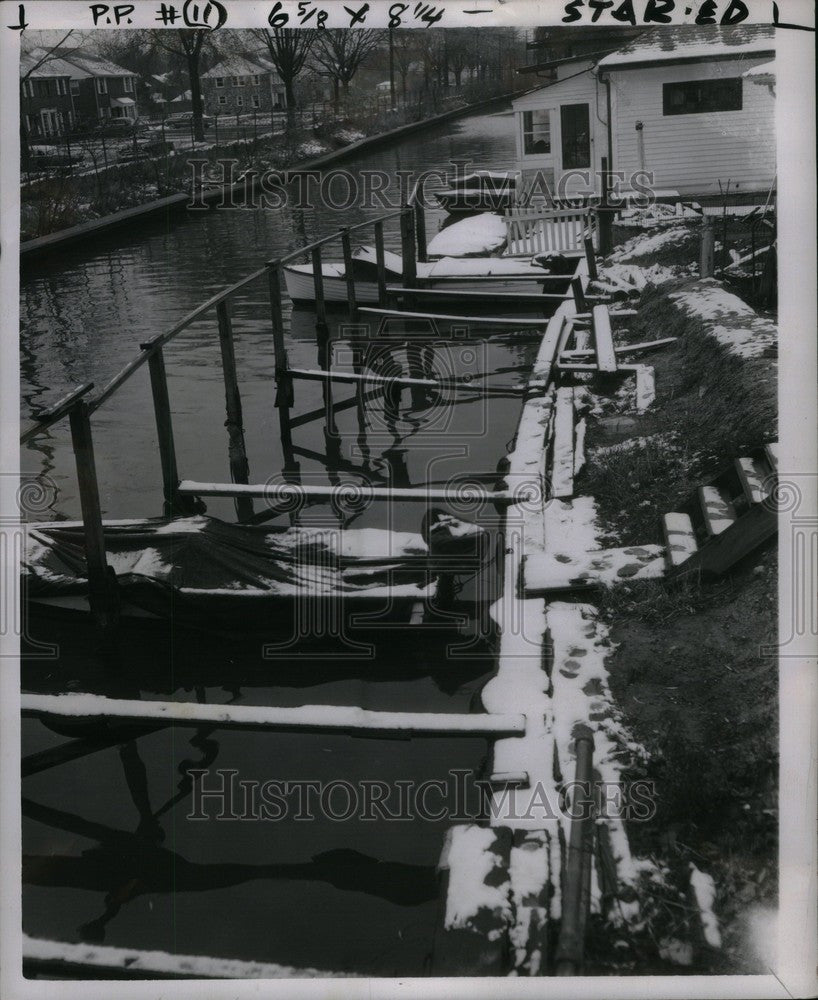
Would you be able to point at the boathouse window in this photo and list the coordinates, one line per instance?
(128, 84)
(102, 85)
(697, 96)
(256, 103)
(219, 81)
(42, 88)
(222, 99)
(75, 86)
(239, 101)
(536, 132)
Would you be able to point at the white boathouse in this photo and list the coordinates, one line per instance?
(678, 109)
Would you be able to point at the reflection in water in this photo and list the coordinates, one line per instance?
(125, 865)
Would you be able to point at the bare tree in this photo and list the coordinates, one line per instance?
(406, 51)
(342, 50)
(187, 44)
(288, 49)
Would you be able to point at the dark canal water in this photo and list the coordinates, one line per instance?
(110, 854)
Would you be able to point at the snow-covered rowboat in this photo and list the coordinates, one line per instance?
(484, 274)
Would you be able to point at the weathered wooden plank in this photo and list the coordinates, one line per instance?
(286, 491)
(64, 958)
(603, 339)
(349, 274)
(306, 717)
(549, 571)
(562, 468)
(752, 475)
(680, 539)
(531, 892)
(533, 298)
(719, 514)
(772, 452)
(726, 549)
(650, 345)
(465, 320)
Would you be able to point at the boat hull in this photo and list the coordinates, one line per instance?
(300, 289)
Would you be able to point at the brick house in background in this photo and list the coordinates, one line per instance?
(46, 102)
(242, 86)
(101, 89)
(73, 88)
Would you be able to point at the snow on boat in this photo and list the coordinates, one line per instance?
(485, 274)
(482, 190)
(478, 236)
(202, 571)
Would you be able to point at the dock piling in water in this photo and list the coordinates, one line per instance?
(239, 467)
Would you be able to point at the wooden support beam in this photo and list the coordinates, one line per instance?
(380, 262)
(349, 274)
(286, 491)
(56, 412)
(603, 339)
(102, 588)
(540, 277)
(465, 320)
(317, 375)
(590, 257)
(318, 286)
(650, 345)
(408, 249)
(562, 466)
(579, 294)
(313, 718)
(537, 298)
(577, 890)
(237, 450)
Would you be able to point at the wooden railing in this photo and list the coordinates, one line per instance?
(79, 405)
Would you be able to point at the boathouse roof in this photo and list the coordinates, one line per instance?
(684, 43)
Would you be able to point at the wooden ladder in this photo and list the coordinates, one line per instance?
(728, 517)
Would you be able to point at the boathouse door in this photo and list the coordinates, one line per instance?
(575, 129)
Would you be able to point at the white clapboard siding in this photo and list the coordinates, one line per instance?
(691, 153)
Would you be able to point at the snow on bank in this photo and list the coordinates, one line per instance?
(648, 243)
(730, 320)
(471, 861)
(704, 889)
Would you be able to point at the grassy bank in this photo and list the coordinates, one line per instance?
(688, 671)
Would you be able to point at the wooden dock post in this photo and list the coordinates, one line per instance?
(605, 214)
(349, 275)
(103, 597)
(408, 250)
(284, 384)
(164, 428)
(420, 230)
(707, 257)
(239, 467)
(577, 892)
(381, 264)
(590, 256)
(579, 295)
(318, 285)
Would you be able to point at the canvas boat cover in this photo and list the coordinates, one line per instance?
(202, 562)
